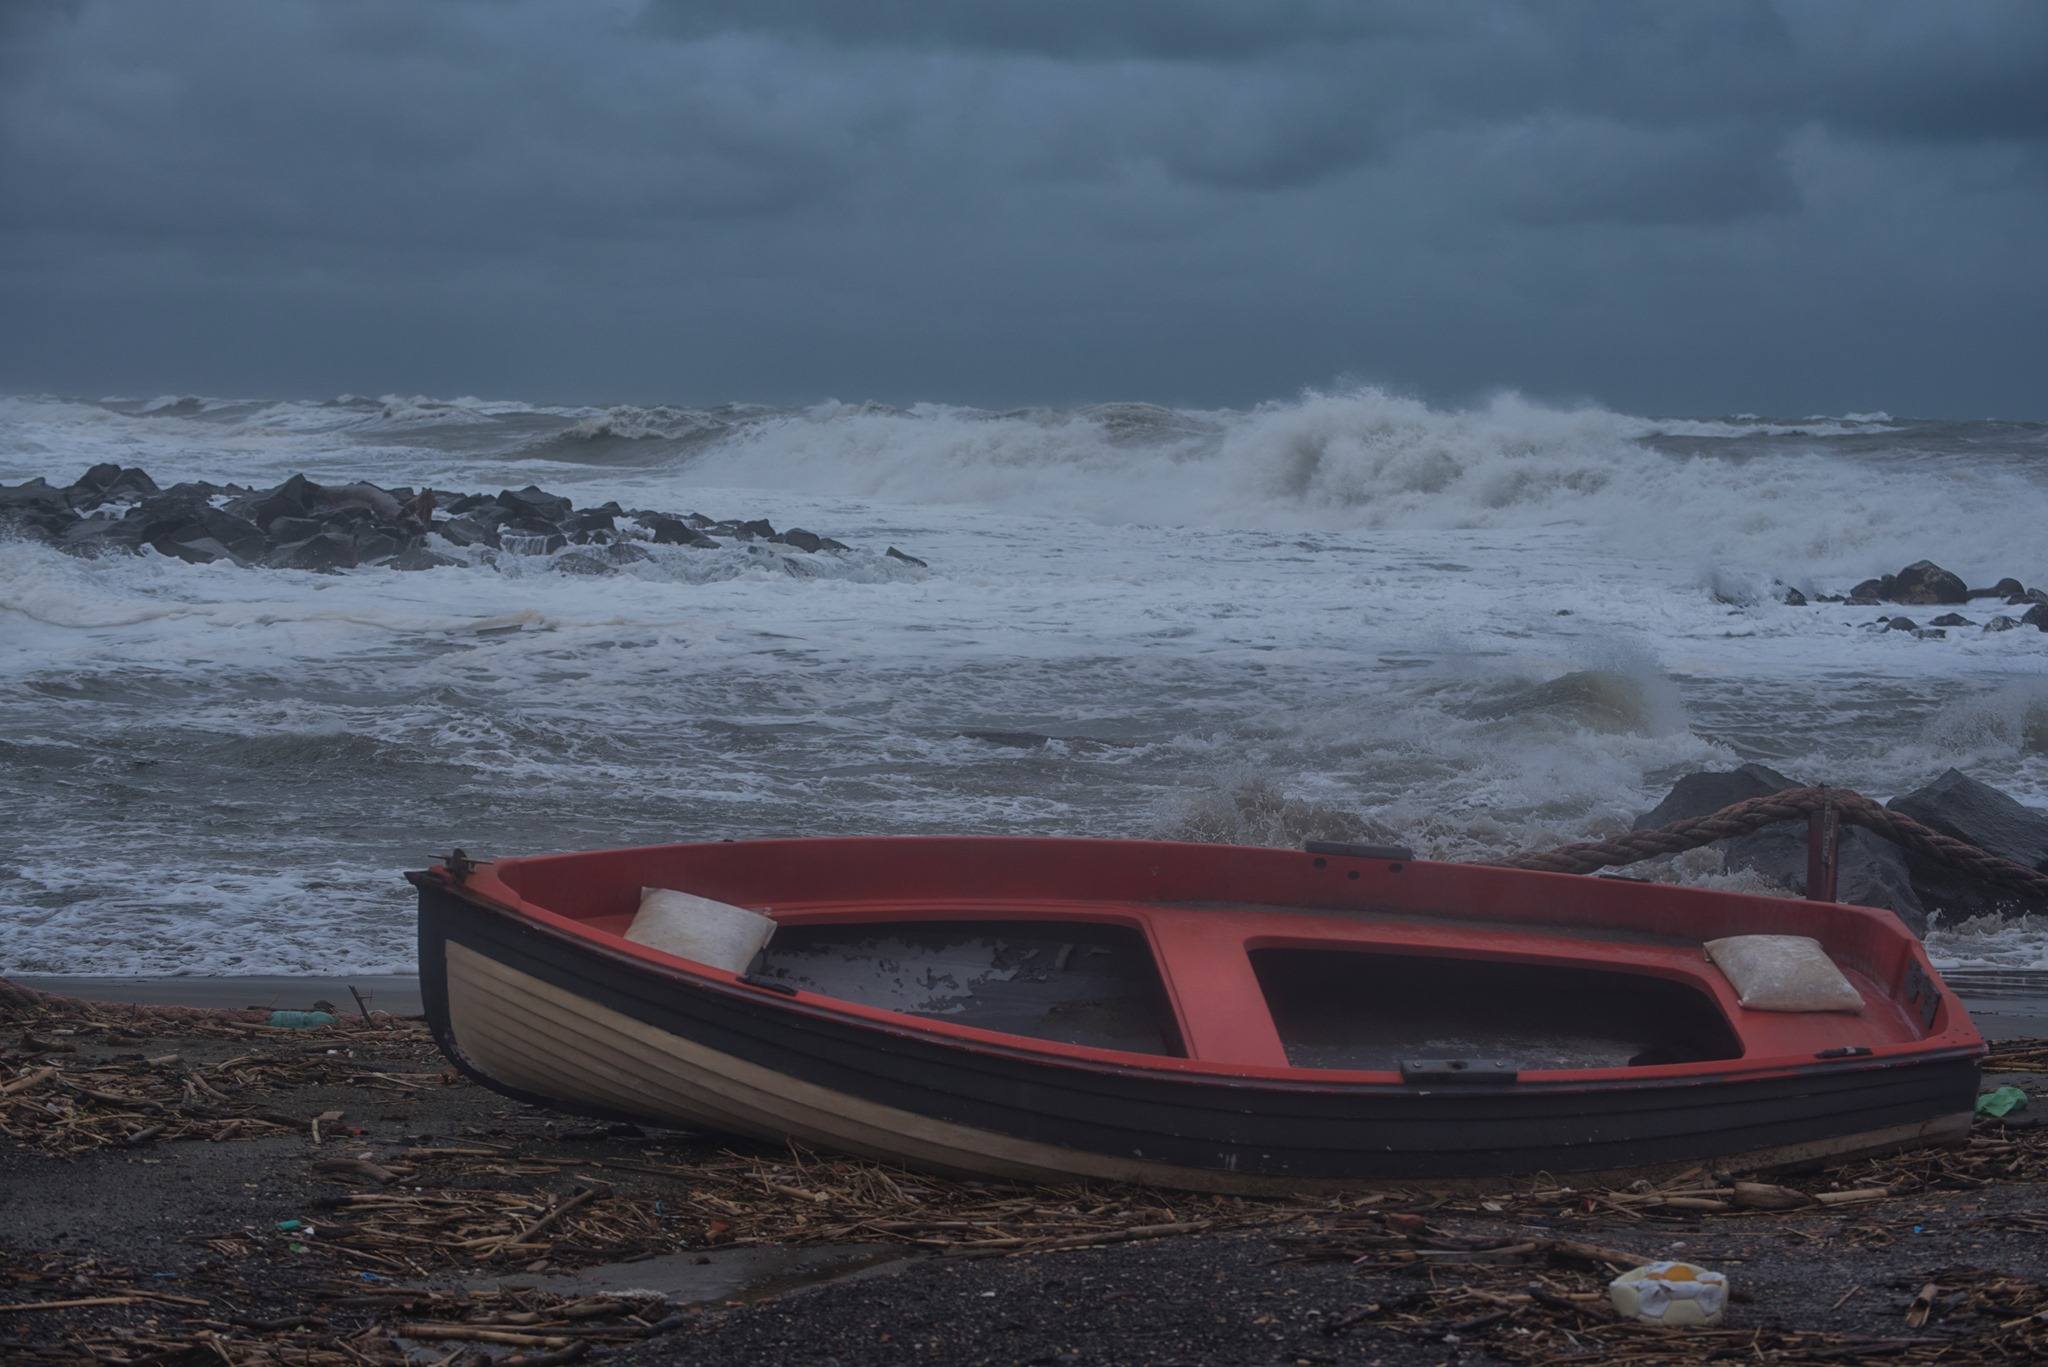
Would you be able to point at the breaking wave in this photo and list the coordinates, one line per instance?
(1801, 501)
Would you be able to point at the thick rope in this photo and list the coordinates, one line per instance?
(1793, 804)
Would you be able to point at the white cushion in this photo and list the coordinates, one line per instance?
(1783, 973)
(693, 927)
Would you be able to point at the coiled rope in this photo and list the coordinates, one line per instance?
(1793, 804)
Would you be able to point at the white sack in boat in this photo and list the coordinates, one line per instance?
(693, 927)
(1783, 973)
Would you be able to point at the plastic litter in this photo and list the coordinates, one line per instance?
(1672, 1293)
(289, 1225)
(303, 1020)
(1783, 973)
(692, 927)
(2002, 1102)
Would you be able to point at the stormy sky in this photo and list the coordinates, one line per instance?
(1668, 207)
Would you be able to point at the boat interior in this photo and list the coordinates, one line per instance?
(1353, 965)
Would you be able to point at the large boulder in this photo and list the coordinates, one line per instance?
(673, 531)
(34, 493)
(37, 509)
(326, 552)
(534, 502)
(467, 531)
(214, 534)
(1957, 805)
(1923, 581)
(109, 483)
(297, 497)
(1870, 872)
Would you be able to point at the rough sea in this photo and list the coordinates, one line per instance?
(1473, 631)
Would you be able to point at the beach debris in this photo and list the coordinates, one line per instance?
(1672, 1293)
(303, 1020)
(407, 1227)
(2002, 1102)
(2017, 1056)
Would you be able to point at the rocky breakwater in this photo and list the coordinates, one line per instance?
(1872, 871)
(1926, 584)
(300, 525)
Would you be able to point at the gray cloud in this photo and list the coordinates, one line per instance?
(1684, 207)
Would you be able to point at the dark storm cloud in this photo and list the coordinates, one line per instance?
(1693, 206)
(1198, 29)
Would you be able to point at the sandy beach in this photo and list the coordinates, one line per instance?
(201, 1188)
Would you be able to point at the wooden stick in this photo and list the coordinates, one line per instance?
(22, 1084)
(470, 1333)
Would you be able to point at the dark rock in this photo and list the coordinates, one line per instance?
(626, 553)
(328, 550)
(584, 562)
(1957, 805)
(200, 550)
(285, 530)
(669, 531)
(1900, 624)
(420, 558)
(2009, 587)
(2036, 616)
(1930, 634)
(1952, 619)
(1873, 589)
(1871, 870)
(109, 483)
(2001, 623)
(760, 527)
(376, 543)
(101, 476)
(1830, 598)
(1923, 581)
(238, 538)
(35, 495)
(381, 504)
(467, 531)
(46, 519)
(1700, 794)
(296, 497)
(801, 539)
(535, 502)
(895, 554)
(1858, 600)
(1794, 598)
(589, 520)
(468, 503)
(92, 536)
(826, 543)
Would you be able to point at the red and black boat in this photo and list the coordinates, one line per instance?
(1210, 1017)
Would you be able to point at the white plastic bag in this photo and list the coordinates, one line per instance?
(1670, 1293)
(693, 927)
(1783, 973)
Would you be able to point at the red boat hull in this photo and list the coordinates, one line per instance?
(530, 988)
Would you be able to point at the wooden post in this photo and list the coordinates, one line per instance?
(1823, 852)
